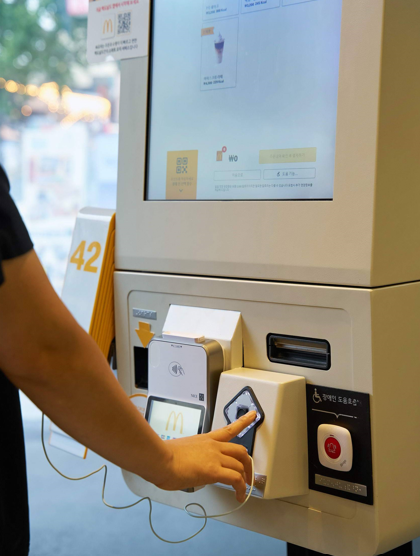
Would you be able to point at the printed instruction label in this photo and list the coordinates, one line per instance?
(117, 29)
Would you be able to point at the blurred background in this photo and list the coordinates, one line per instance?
(58, 121)
(59, 146)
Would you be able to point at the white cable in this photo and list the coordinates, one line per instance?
(186, 510)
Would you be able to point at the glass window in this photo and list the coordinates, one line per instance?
(58, 122)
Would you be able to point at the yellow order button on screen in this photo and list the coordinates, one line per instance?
(285, 156)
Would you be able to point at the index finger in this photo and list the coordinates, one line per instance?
(230, 431)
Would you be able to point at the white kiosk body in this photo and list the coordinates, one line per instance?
(268, 167)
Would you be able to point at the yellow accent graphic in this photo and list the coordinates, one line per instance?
(144, 333)
(108, 26)
(181, 175)
(286, 156)
(176, 417)
(79, 261)
(219, 156)
(207, 31)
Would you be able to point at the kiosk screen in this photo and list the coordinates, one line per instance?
(243, 99)
(173, 419)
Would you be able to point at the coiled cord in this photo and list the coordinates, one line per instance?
(186, 507)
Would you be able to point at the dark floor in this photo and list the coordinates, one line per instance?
(69, 519)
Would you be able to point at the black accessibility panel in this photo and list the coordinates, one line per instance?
(350, 410)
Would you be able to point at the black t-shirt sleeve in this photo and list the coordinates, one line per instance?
(14, 237)
(14, 514)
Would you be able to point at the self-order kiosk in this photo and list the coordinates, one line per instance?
(267, 256)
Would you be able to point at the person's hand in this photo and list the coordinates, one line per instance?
(209, 458)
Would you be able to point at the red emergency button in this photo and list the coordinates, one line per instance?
(332, 447)
(335, 447)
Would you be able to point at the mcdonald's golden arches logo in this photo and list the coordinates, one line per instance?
(108, 26)
(176, 416)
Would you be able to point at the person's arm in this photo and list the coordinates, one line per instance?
(46, 354)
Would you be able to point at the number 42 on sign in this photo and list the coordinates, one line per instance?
(79, 261)
(90, 262)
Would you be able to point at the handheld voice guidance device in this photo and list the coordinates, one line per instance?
(244, 402)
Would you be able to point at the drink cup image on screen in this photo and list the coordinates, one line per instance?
(219, 44)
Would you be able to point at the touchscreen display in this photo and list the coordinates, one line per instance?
(243, 99)
(174, 420)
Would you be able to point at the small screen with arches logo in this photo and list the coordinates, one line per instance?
(174, 419)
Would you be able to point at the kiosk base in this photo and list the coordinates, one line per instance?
(293, 550)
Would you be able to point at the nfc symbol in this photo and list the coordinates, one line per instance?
(176, 369)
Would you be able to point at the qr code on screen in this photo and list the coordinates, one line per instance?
(124, 23)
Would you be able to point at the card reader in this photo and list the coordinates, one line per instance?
(184, 375)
